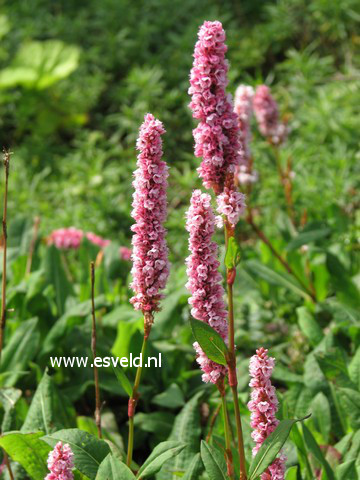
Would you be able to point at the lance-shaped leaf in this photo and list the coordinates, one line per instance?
(111, 468)
(213, 461)
(210, 341)
(161, 453)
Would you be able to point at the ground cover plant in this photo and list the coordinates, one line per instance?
(226, 245)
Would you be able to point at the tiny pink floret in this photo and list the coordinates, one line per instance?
(204, 279)
(217, 134)
(231, 203)
(60, 463)
(267, 115)
(263, 407)
(150, 253)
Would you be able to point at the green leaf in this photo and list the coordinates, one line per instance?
(271, 447)
(88, 450)
(275, 278)
(333, 365)
(210, 341)
(309, 326)
(8, 398)
(186, 429)
(304, 238)
(314, 448)
(291, 473)
(347, 470)
(233, 254)
(19, 350)
(321, 415)
(111, 468)
(28, 450)
(47, 411)
(171, 398)
(195, 468)
(350, 400)
(346, 290)
(213, 461)
(354, 369)
(158, 457)
(40, 64)
(123, 379)
(55, 275)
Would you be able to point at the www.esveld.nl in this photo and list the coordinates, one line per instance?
(131, 361)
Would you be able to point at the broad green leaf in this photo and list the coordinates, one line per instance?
(314, 448)
(304, 238)
(309, 326)
(20, 349)
(88, 450)
(161, 453)
(354, 369)
(351, 402)
(270, 448)
(159, 422)
(291, 473)
(233, 254)
(195, 468)
(123, 379)
(346, 290)
(171, 398)
(275, 278)
(210, 341)
(347, 470)
(29, 451)
(55, 275)
(186, 429)
(8, 398)
(111, 468)
(213, 461)
(40, 64)
(47, 411)
(320, 408)
(333, 364)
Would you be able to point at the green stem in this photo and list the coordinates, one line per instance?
(233, 383)
(229, 460)
(132, 404)
(230, 278)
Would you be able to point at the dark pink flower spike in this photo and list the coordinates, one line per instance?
(150, 253)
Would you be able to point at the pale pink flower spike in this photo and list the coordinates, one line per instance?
(263, 407)
(217, 134)
(150, 253)
(204, 279)
(60, 463)
(267, 115)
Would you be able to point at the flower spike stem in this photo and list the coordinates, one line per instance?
(135, 395)
(229, 460)
(6, 162)
(230, 278)
(93, 348)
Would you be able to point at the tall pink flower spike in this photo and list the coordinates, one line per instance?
(263, 407)
(204, 281)
(217, 135)
(243, 107)
(150, 254)
(60, 463)
(267, 115)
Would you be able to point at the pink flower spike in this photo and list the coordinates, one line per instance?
(60, 463)
(97, 240)
(267, 115)
(125, 253)
(217, 134)
(149, 254)
(66, 238)
(263, 406)
(204, 280)
(243, 107)
(231, 203)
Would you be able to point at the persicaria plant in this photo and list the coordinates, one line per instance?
(251, 428)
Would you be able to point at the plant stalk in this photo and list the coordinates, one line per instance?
(229, 460)
(93, 348)
(232, 375)
(32, 245)
(134, 398)
(8, 466)
(6, 162)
